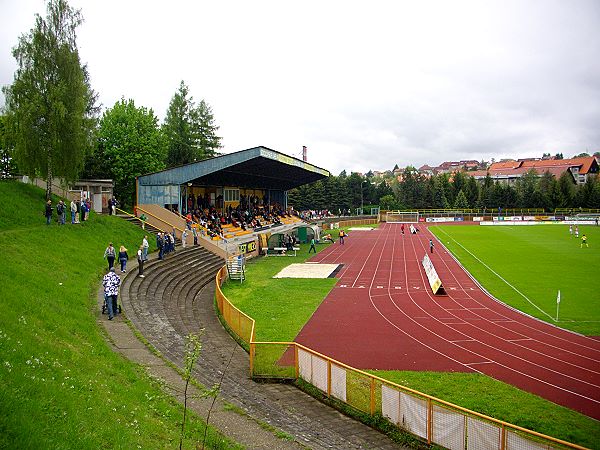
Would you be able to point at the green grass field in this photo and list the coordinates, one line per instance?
(62, 384)
(526, 266)
(280, 312)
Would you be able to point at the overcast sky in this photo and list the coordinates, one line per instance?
(363, 84)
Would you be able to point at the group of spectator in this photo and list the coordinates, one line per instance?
(165, 242)
(112, 206)
(200, 202)
(312, 214)
(79, 211)
(111, 281)
(315, 214)
(212, 221)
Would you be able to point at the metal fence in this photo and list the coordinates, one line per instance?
(431, 419)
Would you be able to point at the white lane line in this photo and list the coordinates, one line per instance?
(500, 276)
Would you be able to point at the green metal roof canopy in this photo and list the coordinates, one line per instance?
(258, 167)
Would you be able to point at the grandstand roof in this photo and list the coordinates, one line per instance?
(258, 167)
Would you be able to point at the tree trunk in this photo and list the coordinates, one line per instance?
(49, 180)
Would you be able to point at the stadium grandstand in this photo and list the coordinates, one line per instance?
(230, 200)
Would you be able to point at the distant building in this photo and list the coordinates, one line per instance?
(426, 170)
(509, 171)
(454, 166)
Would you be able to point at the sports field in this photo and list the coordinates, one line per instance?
(526, 266)
(379, 312)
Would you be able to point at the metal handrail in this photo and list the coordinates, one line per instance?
(162, 220)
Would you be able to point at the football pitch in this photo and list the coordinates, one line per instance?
(526, 266)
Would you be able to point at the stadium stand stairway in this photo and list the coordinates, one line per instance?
(151, 229)
(176, 298)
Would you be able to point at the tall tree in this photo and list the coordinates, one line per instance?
(208, 141)
(130, 144)
(51, 104)
(189, 129)
(461, 201)
(566, 187)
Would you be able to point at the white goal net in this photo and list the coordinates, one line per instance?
(402, 217)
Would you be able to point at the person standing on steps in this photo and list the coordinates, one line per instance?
(184, 235)
(110, 254)
(160, 245)
(145, 246)
(140, 258)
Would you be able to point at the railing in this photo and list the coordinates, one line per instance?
(575, 211)
(434, 420)
(171, 226)
(472, 211)
(121, 211)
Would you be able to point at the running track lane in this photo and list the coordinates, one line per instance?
(382, 315)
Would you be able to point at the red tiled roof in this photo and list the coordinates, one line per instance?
(584, 163)
(557, 171)
(505, 165)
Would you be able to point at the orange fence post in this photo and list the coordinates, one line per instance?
(503, 438)
(296, 361)
(372, 405)
(429, 421)
(328, 378)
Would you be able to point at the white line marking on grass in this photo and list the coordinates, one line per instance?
(500, 276)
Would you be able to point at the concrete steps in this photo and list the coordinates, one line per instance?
(176, 298)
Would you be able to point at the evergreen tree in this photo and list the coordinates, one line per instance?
(526, 187)
(461, 201)
(383, 189)
(567, 190)
(51, 103)
(189, 129)
(588, 194)
(444, 180)
(439, 195)
(546, 187)
(485, 193)
(472, 191)
(459, 183)
(208, 141)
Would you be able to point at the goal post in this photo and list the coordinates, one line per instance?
(402, 217)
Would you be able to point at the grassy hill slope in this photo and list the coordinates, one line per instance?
(62, 385)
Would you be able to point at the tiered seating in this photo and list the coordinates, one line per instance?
(229, 231)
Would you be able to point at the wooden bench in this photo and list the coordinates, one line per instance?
(280, 251)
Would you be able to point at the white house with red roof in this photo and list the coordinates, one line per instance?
(510, 171)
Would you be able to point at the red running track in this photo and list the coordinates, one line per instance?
(382, 315)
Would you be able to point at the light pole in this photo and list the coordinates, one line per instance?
(361, 197)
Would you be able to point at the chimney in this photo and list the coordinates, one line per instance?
(304, 153)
